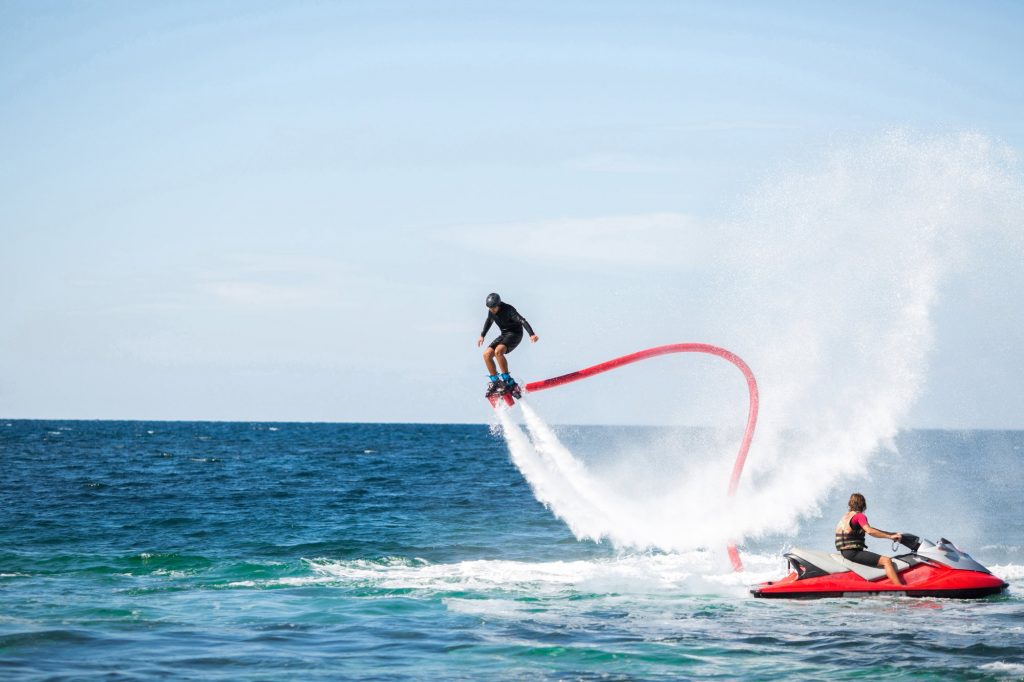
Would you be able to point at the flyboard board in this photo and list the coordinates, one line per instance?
(506, 394)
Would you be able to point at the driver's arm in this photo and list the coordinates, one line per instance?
(875, 533)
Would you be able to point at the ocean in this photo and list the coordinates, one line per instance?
(203, 550)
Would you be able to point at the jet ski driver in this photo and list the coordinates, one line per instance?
(511, 324)
(850, 532)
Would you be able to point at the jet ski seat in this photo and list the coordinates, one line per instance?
(870, 572)
(835, 563)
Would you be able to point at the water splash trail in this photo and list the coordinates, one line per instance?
(555, 485)
(748, 434)
(596, 507)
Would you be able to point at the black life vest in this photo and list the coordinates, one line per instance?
(853, 539)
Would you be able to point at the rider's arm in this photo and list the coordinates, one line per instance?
(487, 325)
(519, 316)
(875, 533)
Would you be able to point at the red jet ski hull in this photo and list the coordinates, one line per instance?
(921, 580)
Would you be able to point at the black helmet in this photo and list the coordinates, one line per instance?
(493, 300)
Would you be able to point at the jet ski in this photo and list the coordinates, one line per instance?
(929, 570)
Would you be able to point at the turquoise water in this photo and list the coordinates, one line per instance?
(380, 551)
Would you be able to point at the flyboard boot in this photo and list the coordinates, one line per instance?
(512, 388)
(494, 391)
(495, 388)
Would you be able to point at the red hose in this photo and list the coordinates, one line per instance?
(748, 434)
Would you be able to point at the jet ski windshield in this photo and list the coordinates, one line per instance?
(948, 554)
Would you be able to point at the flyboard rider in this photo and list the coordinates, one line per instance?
(511, 324)
(850, 536)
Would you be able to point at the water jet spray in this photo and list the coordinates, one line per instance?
(748, 433)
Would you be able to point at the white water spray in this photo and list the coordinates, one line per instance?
(838, 274)
(562, 488)
(833, 274)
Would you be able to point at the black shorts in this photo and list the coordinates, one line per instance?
(509, 340)
(861, 556)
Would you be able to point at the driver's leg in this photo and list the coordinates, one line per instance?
(890, 570)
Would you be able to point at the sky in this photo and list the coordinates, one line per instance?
(294, 211)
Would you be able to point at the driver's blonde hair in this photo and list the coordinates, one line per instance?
(857, 503)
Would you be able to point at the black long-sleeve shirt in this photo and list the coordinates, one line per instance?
(508, 319)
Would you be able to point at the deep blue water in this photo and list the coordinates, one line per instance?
(380, 551)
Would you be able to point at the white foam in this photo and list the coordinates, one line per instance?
(641, 574)
(1016, 670)
(1008, 572)
(173, 573)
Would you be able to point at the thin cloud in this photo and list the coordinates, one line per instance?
(613, 162)
(274, 280)
(728, 126)
(645, 240)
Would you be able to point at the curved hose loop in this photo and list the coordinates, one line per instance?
(748, 434)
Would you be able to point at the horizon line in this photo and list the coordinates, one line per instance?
(481, 423)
